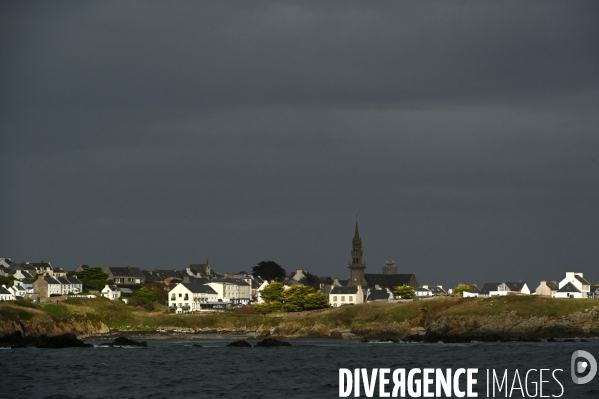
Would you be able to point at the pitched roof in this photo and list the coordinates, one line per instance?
(552, 285)
(488, 287)
(569, 288)
(5, 291)
(582, 280)
(151, 276)
(199, 288)
(51, 280)
(165, 273)
(195, 280)
(62, 280)
(389, 280)
(125, 271)
(438, 290)
(235, 281)
(422, 289)
(126, 291)
(344, 290)
(74, 280)
(378, 295)
(515, 286)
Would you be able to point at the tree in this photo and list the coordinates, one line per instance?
(151, 294)
(8, 281)
(273, 292)
(92, 273)
(461, 288)
(269, 270)
(295, 299)
(93, 278)
(311, 280)
(404, 291)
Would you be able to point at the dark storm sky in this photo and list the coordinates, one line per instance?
(465, 135)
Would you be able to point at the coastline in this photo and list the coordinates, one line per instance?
(442, 320)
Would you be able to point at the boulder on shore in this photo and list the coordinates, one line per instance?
(271, 342)
(124, 341)
(17, 340)
(240, 344)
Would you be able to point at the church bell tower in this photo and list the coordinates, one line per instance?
(357, 265)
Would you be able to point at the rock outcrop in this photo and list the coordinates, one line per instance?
(271, 342)
(17, 340)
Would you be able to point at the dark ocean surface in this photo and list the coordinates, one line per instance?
(309, 369)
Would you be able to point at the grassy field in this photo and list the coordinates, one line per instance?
(370, 316)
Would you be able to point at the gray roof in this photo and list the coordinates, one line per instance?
(235, 281)
(488, 287)
(51, 280)
(126, 291)
(422, 289)
(474, 289)
(552, 285)
(199, 288)
(165, 273)
(196, 280)
(344, 290)
(74, 280)
(151, 277)
(569, 288)
(582, 280)
(378, 295)
(439, 290)
(515, 286)
(63, 280)
(5, 291)
(126, 271)
(389, 280)
(113, 287)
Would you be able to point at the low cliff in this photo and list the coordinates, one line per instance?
(34, 322)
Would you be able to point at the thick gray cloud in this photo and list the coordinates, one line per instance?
(463, 134)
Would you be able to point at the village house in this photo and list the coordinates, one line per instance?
(505, 288)
(111, 292)
(125, 275)
(6, 262)
(233, 290)
(190, 297)
(381, 294)
(47, 287)
(300, 274)
(574, 286)
(58, 272)
(199, 269)
(547, 288)
(5, 294)
(340, 296)
(18, 291)
(42, 268)
(422, 292)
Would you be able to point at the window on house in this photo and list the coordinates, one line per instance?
(173, 297)
(180, 295)
(351, 298)
(342, 298)
(186, 297)
(334, 298)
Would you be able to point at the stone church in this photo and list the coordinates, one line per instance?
(388, 279)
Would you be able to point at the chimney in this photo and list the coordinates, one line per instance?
(377, 287)
(425, 286)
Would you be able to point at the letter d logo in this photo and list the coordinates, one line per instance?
(582, 366)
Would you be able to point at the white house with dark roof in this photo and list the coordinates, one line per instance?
(5, 294)
(505, 288)
(340, 296)
(573, 286)
(190, 297)
(18, 290)
(47, 287)
(125, 275)
(422, 292)
(382, 294)
(111, 292)
(233, 290)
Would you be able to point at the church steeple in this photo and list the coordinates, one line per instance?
(357, 265)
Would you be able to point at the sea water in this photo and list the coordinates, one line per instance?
(309, 369)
